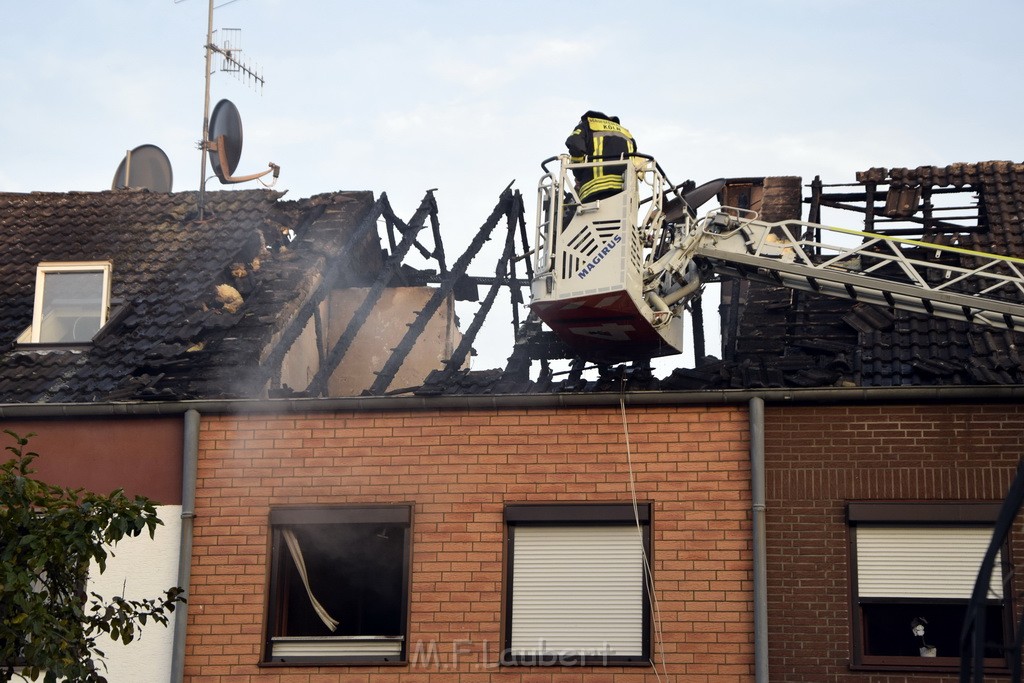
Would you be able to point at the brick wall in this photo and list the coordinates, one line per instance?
(817, 459)
(459, 468)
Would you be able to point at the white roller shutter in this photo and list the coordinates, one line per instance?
(922, 562)
(577, 589)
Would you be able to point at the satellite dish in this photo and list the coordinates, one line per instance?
(226, 136)
(145, 167)
(225, 144)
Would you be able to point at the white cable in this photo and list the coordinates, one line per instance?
(648, 574)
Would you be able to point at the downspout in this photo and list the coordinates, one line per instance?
(190, 462)
(760, 544)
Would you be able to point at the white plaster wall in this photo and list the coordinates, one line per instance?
(142, 568)
(385, 327)
(300, 364)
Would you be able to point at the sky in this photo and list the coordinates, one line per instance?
(467, 96)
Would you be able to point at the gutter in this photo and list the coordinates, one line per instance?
(760, 544)
(818, 396)
(190, 462)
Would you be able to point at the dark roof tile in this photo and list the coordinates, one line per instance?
(166, 265)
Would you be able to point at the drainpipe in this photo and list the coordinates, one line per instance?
(190, 462)
(760, 545)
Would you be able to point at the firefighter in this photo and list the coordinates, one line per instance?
(598, 137)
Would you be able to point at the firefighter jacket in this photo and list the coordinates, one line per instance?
(598, 136)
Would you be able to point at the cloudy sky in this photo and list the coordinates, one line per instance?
(467, 96)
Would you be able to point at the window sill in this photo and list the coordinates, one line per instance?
(924, 664)
(53, 346)
(336, 650)
(571, 659)
(332, 661)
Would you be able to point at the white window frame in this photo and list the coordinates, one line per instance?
(577, 588)
(43, 270)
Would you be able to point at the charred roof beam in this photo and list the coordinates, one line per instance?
(928, 223)
(333, 267)
(437, 253)
(505, 264)
(387, 374)
(318, 385)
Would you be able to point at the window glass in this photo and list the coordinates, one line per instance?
(71, 302)
(339, 585)
(72, 306)
(923, 629)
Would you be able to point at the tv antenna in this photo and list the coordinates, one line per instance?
(231, 60)
(223, 159)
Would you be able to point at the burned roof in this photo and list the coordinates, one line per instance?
(172, 333)
(795, 339)
(776, 337)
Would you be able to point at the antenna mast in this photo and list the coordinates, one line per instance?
(230, 62)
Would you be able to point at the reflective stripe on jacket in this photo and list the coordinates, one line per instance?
(593, 138)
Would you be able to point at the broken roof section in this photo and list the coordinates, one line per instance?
(776, 337)
(199, 309)
(267, 297)
(795, 339)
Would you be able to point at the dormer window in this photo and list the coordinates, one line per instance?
(72, 301)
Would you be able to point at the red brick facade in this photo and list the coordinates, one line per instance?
(458, 469)
(818, 459)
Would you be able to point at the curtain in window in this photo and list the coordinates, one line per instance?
(296, 552)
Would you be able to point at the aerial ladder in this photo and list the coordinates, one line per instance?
(613, 276)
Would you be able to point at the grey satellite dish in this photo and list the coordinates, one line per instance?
(225, 144)
(145, 167)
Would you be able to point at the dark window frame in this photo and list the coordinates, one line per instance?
(923, 514)
(370, 514)
(575, 514)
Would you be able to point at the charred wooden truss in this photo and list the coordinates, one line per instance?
(771, 336)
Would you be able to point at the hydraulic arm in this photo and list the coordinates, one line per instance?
(878, 269)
